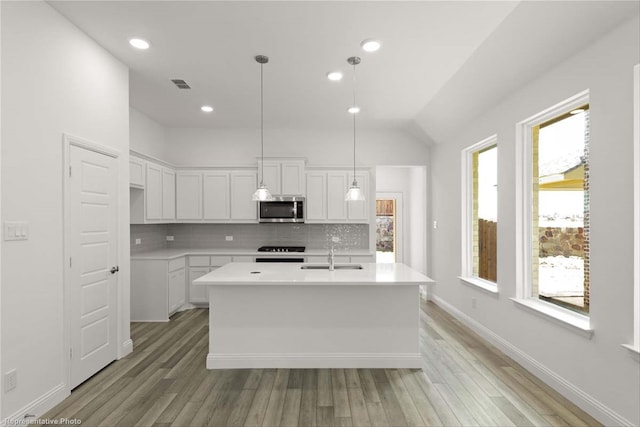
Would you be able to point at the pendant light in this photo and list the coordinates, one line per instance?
(262, 194)
(354, 193)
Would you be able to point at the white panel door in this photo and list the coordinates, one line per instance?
(243, 185)
(153, 191)
(216, 195)
(168, 194)
(316, 196)
(189, 195)
(93, 251)
(336, 189)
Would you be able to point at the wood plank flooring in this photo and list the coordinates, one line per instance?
(464, 382)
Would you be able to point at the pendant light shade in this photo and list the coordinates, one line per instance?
(262, 194)
(355, 193)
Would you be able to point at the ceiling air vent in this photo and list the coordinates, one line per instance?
(181, 84)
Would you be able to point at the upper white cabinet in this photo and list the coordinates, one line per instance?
(325, 197)
(159, 195)
(217, 204)
(283, 177)
(188, 195)
(243, 185)
(136, 172)
(316, 196)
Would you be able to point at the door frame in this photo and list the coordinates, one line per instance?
(398, 196)
(67, 142)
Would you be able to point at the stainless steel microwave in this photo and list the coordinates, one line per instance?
(282, 209)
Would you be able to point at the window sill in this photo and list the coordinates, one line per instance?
(634, 351)
(573, 321)
(482, 284)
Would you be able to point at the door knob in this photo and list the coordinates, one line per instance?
(115, 269)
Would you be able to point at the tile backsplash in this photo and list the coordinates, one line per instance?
(250, 236)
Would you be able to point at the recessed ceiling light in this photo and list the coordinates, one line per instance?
(370, 45)
(207, 108)
(577, 111)
(353, 110)
(334, 76)
(139, 43)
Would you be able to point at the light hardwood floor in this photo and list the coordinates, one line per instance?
(464, 382)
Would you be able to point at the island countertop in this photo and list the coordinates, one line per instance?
(249, 273)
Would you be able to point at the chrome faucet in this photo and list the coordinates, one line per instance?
(332, 265)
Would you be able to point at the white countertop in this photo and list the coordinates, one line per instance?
(172, 253)
(250, 273)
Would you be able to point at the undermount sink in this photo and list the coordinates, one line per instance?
(326, 267)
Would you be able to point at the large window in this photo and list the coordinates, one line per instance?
(553, 210)
(480, 214)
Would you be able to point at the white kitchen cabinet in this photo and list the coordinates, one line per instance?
(189, 195)
(243, 185)
(158, 289)
(136, 172)
(337, 187)
(199, 265)
(216, 195)
(153, 192)
(325, 197)
(160, 193)
(320, 259)
(283, 177)
(316, 183)
(168, 194)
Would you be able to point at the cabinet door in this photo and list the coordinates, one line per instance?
(358, 211)
(316, 196)
(336, 189)
(189, 195)
(153, 192)
(216, 195)
(136, 172)
(243, 185)
(197, 293)
(270, 174)
(176, 290)
(168, 194)
(292, 173)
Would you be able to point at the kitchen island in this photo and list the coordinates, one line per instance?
(281, 315)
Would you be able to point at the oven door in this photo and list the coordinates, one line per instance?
(280, 259)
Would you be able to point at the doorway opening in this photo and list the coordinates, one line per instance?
(388, 230)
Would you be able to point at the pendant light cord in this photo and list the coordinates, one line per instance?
(354, 126)
(261, 125)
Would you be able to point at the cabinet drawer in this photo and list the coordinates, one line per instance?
(176, 264)
(243, 259)
(219, 260)
(199, 261)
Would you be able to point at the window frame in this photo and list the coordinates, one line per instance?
(524, 217)
(466, 261)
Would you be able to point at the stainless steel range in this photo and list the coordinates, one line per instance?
(281, 249)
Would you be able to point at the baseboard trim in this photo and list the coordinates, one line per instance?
(126, 348)
(311, 361)
(583, 400)
(37, 407)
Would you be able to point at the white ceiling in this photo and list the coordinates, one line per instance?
(429, 49)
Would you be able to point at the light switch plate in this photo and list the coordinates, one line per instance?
(138, 241)
(16, 230)
(228, 238)
(169, 238)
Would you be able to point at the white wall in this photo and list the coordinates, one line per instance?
(599, 368)
(197, 147)
(146, 135)
(411, 182)
(55, 80)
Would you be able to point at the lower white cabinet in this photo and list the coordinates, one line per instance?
(158, 289)
(199, 265)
